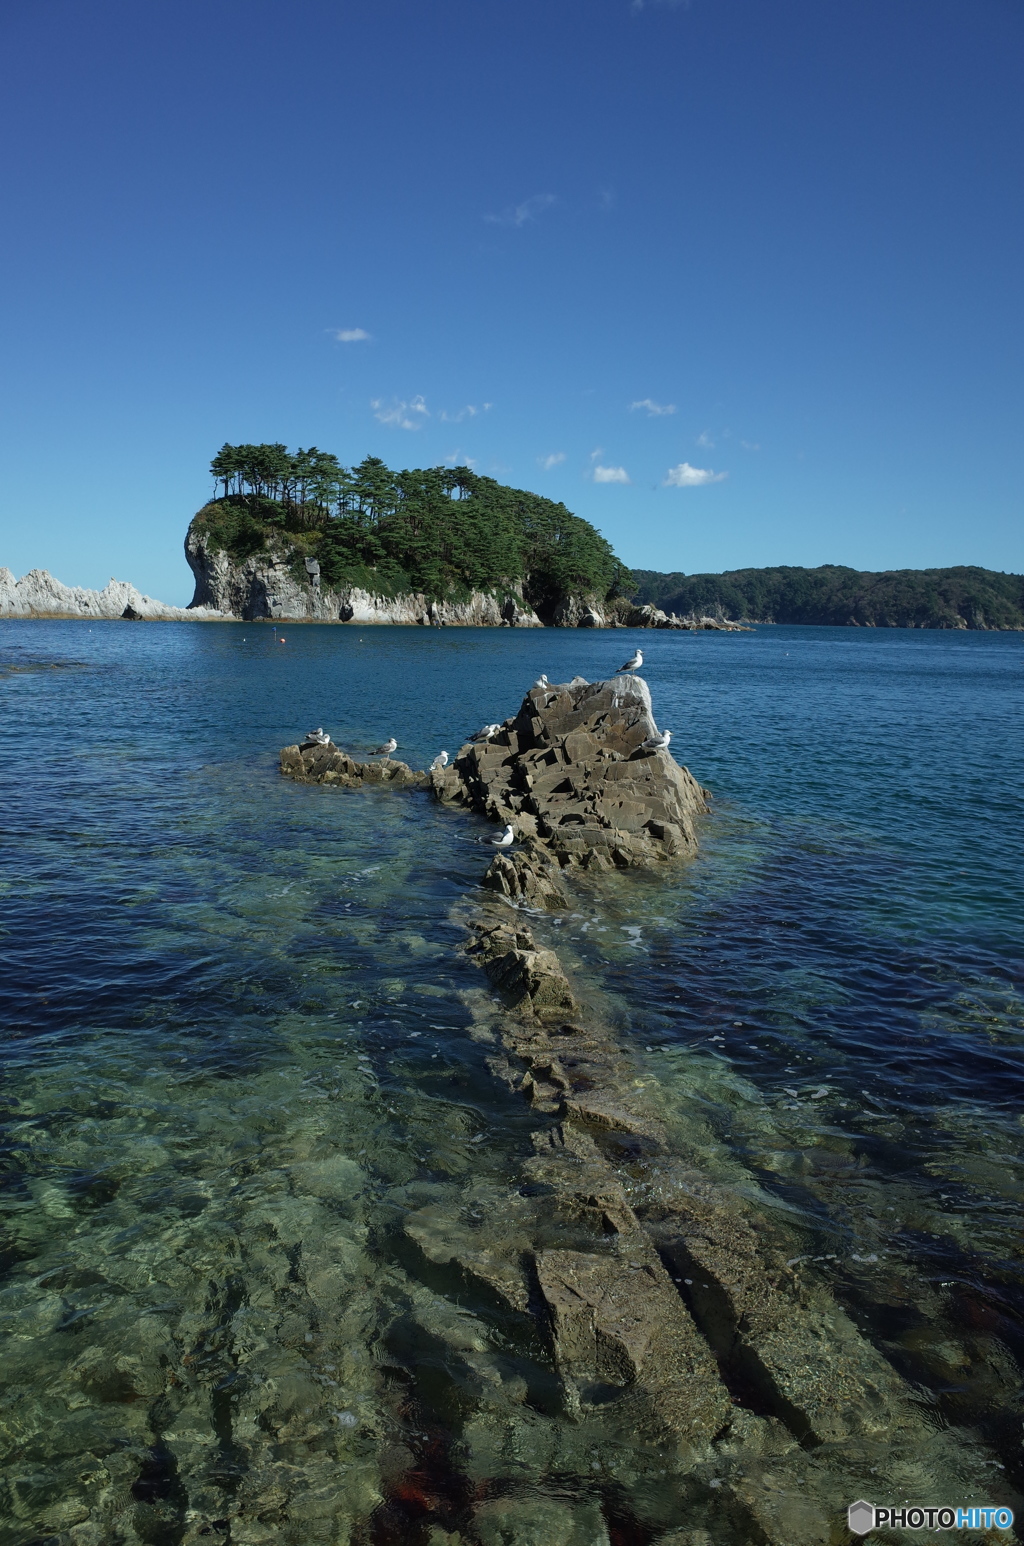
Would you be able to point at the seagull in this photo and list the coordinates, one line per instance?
(318, 737)
(633, 663)
(439, 762)
(542, 681)
(486, 733)
(658, 743)
(506, 839)
(385, 750)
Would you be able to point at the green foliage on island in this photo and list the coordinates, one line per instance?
(962, 597)
(441, 531)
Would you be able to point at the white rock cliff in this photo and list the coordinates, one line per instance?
(38, 594)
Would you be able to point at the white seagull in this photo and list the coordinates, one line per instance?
(506, 839)
(386, 750)
(486, 733)
(439, 762)
(542, 681)
(318, 737)
(658, 743)
(633, 663)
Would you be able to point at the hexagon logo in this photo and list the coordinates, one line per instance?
(861, 1517)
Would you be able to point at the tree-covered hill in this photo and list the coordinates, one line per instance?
(963, 597)
(443, 532)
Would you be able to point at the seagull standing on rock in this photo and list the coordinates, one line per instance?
(486, 733)
(439, 762)
(317, 737)
(542, 681)
(633, 663)
(386, 750)
(657, 743)
(506, 839)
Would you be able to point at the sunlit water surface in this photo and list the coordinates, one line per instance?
(239, 1051)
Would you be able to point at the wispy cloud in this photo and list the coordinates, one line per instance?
(547, 462)
(611, 475)
(459, 459)
(522, 214)
(685, 476)
(350, 335)
(596, 454)
(469, 412)
(750, 445)
(399, 414)
(654, 410)
(704, 440)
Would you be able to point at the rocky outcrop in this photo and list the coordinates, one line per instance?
(329, 765)
(266, 585)
(570, 772)
(37, 594)
(650, 616)
(716, 1389)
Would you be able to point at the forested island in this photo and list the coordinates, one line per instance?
(961, 597)
(443, 534)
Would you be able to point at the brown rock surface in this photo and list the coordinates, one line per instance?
(329, 765)
(571, 774)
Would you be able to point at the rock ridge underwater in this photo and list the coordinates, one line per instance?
(730, 1396)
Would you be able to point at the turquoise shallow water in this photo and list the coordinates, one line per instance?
(240, 1050)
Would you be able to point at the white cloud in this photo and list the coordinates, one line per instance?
(596, 454)
(704, 440)
(654, 410)
(469, 412)
(750, 445)
(547, 462)
(611, 475)
(685, 476)
(400, 414)
(459, 459)
(521, 214)
(350, 335)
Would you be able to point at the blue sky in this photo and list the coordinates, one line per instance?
(762, 258)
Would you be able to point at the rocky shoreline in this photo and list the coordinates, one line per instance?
(38, 595)
(695, 1346)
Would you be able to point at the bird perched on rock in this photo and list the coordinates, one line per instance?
(633, 663)
(317, 737)
(506, 839)
(657, 743)
(486, 733)
(542, 681)
(439, 762)
(386, 750)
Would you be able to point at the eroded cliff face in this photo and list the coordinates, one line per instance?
(37, 594)
(265, 586)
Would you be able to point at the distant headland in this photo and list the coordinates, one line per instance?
(960, 597)
(297, 537)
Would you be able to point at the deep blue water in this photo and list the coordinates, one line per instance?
(198, 955)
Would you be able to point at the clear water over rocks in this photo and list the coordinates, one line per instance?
(251, 1078)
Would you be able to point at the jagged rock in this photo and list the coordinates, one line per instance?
(571, 774)
(524, 976)
(38, 594)
(329, 765)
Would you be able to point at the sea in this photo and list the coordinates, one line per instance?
(238, 1053)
